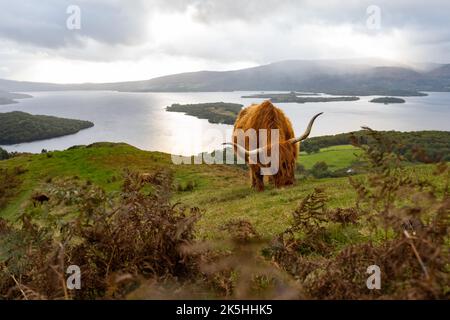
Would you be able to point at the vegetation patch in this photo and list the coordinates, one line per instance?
(9, 184)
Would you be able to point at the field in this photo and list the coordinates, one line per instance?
(336, 157)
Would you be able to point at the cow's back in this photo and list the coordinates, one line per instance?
(264, 116)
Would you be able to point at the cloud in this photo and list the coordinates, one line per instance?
(43, 23)
(210, 34)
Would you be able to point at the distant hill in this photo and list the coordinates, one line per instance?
(442, 72)
(17, 127)
(340, 77)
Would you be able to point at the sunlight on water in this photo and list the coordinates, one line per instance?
(140, 119)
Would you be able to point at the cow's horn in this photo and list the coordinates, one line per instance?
(243, 150)
(307, 131)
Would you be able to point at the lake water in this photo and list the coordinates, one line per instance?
(140, 119)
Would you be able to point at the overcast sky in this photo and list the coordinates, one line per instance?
(121, 40)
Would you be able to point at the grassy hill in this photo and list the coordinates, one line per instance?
(222, 191)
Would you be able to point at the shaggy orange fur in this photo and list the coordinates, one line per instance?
(267, 116)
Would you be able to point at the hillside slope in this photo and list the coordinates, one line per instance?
(222, 192)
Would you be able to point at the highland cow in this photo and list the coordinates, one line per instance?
(266, 116)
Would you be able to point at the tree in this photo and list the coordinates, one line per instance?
(3, 154)
(320, 170)
(310, 148)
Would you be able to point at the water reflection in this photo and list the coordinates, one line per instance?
(140, 119)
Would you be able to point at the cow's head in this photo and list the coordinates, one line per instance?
(286, 152)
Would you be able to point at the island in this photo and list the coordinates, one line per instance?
(375, 92)
(296, 98)
(263, 95)
(214, 112)
(9, 97)
(387, 100)
(18, 127)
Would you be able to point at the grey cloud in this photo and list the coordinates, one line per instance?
(232, 30)
(395, 13)
(124, 22)
(43, 23)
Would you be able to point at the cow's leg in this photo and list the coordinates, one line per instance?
(257, 178)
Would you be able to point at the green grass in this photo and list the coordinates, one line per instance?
(221, 191)
(97, 164)
(336, 157)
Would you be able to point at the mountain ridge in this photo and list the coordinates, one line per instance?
(328, 76)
